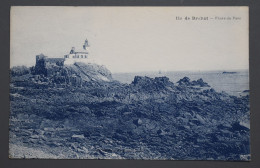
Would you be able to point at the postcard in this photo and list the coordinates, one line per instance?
(150, 83)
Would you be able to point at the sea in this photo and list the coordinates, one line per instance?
(232, 82)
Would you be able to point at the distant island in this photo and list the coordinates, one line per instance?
(227, 72)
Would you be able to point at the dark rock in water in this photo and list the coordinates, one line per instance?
(226, 72)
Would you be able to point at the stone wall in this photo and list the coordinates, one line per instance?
(43, 63)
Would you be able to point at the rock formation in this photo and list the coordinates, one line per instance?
(52, 71)
(79, 111)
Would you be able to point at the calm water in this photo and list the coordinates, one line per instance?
(233, 84)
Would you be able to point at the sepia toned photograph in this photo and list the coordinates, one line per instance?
(145, 83)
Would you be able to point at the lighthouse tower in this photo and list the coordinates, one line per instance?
(85, 44)
(78, 56)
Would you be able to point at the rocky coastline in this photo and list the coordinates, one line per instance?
(78, 111)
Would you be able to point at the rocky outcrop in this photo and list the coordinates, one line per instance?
(187, 82)
(151, 118)
(150, 84)
(50, 74)
(90, 72)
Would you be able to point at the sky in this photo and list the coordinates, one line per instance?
(134, 39)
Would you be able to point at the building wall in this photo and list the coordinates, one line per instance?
(55, 61)
(77, 57)
(43, 62)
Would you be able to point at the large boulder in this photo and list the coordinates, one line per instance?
(187, 82)
(184, 81)
(147, 83)
(91, 72)
(200, 83)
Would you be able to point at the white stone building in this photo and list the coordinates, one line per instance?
(78, 56)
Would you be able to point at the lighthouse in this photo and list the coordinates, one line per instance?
(77, 56)
(85, 44)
